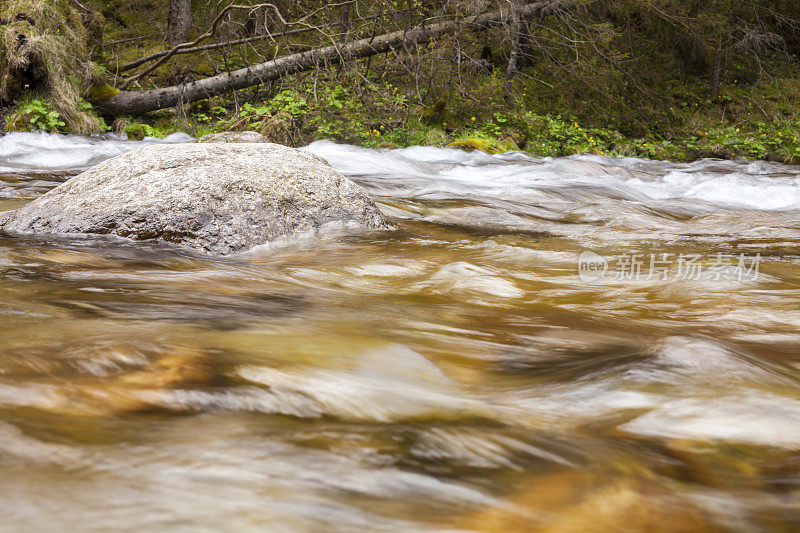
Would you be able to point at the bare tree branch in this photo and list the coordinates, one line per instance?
(137, 102)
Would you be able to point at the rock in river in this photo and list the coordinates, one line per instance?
(233, 137)
(216, 197)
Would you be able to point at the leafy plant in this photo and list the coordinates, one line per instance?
(289, 101)
(138, 130)
(40, 115)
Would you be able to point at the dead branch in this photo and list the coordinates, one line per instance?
(236, 42)
(208, 34)
(137, 102)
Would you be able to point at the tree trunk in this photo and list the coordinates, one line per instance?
(137, 102)
(716, 72)
(346, 18)
(514, 34)
(179, 23)
(525, 46)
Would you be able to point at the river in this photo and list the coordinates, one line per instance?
(570, 344)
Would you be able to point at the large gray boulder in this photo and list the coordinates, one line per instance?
(219, 197)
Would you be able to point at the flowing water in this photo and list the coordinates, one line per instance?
(459, 373)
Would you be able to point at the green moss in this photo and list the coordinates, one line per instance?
(98, 94)
(485, 143)
(472, 144)
(434, 113)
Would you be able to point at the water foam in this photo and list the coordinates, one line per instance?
(51, 152)
(517, 177)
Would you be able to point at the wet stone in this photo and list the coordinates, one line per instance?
(220, 198)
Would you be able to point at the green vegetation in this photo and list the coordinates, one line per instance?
(32, 114)
(385, 120)
(659, 79)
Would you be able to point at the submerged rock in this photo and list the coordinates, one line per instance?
(122, 386)
(574, 501)
(216, 197)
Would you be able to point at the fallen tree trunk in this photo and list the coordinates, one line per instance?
(138, 102)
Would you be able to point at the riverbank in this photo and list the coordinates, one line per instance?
(751, 122)
(655, 100)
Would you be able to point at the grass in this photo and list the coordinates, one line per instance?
(45, 49)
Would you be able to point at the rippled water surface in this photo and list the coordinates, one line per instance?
(455, 374)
